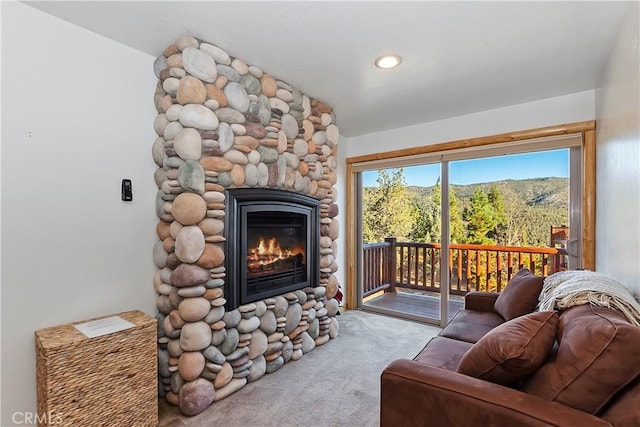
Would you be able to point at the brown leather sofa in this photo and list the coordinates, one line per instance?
(500, 363)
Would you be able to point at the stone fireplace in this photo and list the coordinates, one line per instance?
(247, 223)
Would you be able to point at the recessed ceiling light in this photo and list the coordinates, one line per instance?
(389, 60)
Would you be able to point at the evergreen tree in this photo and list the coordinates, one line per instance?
(498, 234)
(387, 208)
(426, 216)
(456, 225)
(435, 193)
(424, 220)
(516, 221)
(481, 218)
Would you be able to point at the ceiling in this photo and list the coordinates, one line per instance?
(458, 57)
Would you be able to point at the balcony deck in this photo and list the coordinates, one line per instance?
(403, 278)
(412, 305)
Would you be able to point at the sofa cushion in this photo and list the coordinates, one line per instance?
(470, 325)
(598, 354)
(513, 350)
(520, 296)
(443, 353)
(623, 410)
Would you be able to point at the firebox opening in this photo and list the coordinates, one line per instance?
(272, 244)
(276, 251)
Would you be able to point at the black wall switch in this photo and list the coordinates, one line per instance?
(127, 192)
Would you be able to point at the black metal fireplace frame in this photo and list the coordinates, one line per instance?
(240, 201)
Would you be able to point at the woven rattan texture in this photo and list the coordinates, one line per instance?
(110, 380)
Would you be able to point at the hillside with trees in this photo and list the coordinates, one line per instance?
(507, 213)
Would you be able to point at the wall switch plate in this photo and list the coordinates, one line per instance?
(126, 191)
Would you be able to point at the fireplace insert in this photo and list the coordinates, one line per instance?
(272, 244)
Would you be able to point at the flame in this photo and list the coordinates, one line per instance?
(267, 252)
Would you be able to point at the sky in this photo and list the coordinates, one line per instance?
(544, 164)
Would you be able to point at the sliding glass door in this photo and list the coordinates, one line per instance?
(401, 245)
(432, 229)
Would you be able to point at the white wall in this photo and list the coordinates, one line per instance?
(71, 249)
(575, 107)
(341, 201)
(618, 159)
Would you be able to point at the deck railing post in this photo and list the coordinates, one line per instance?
(390, 263)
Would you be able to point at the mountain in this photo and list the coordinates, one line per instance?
(530, 207)
(549, 192)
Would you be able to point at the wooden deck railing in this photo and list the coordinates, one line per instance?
(471, 267)
(378, 267)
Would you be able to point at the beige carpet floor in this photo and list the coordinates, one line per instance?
(337, 384)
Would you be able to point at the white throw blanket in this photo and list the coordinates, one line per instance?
(576, 287)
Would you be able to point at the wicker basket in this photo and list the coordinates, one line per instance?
(108, 380)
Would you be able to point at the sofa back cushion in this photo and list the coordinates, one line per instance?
(598, 355)
(520, 296)
(513, 350)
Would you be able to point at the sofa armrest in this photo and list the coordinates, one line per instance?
(480, 301)
(414, 394)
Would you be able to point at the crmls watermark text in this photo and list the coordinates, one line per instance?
(33, 418)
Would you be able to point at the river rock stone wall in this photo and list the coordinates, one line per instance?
(224, 124)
